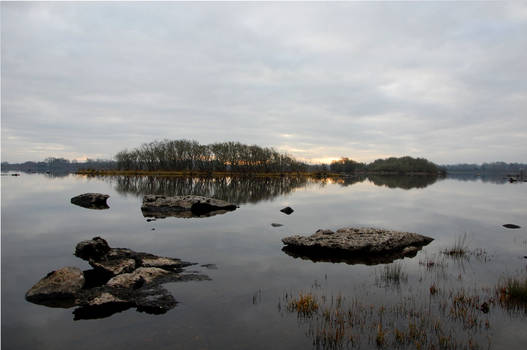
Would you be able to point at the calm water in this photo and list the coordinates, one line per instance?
(242, 306)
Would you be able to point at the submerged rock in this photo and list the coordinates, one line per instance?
(121, 279)
(355, 245)
(274, 224)
(287, 210)
(91, 200)
(184, 206)
(513, 226)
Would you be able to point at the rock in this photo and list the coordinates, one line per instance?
(183, 206)
(104, 299)
(140, 276)
(114, 266)
(287, 210)
(350, 243)
(91, 200)
(121, 279)
(164, 263)
(276, 225)
(513, 226)
(57, 287)
(484, 307)
(94, 248)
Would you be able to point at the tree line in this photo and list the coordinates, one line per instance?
(186, 155)
(402, 165)
(191, 156)
(491, 168)
(59, 165)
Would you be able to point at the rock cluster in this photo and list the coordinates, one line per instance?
(91, 200)
(184, 206)
(355, 245)
(120, 279)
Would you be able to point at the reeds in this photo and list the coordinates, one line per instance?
(459, 249)
(512, 293)
(455, 321)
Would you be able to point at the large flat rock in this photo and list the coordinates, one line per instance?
(184, 206)
(349, 242)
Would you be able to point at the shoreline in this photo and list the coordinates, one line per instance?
(94, 172)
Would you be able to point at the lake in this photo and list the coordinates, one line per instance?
(249, 301)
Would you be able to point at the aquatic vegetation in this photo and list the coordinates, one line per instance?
(392, 274)
(458, 320)
(512, 293)
(304, 305)
(459, 249)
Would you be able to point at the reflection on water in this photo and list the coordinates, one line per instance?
(349, 258)
(40, 226)
(248, 189)
(401, 181)
(237, 190)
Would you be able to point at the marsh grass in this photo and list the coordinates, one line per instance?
(305, 304)
(459, 249)
(391, 275)
(512, 293)
(454, 321)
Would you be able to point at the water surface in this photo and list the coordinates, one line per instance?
(242, 306)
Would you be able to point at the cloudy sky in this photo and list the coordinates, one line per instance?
(444, 81)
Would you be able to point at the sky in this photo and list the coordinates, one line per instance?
(320, 81)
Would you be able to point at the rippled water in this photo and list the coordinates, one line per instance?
(244, 305)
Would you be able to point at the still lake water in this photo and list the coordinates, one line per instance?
(243, 305)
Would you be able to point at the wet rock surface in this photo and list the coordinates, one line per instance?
(512, 226)
(121, 279)
(355, 245)
(91, 200)
(287, 210)
(190, 206)
(58, 287)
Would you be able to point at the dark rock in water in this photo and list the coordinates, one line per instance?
(121, 279)
(484, 307)
(148, 220)
(276, 225)
(91, 200)
(356, 245)
(511, 226)
(92, 249)
(57, 288)
(287, 210)
(184, 206)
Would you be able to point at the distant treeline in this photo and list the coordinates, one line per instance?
(402, 165)
(235, 157)
(486, 168)
(185, 155)
(58, 165)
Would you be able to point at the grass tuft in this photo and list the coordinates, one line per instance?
(513, 293)
(459, 249)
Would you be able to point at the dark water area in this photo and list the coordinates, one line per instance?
(246, 302)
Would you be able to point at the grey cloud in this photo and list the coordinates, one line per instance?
(442, 81)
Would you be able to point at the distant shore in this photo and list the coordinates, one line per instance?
(114, 172)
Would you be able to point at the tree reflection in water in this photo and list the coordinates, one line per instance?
(241, 190)
(237, 190)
